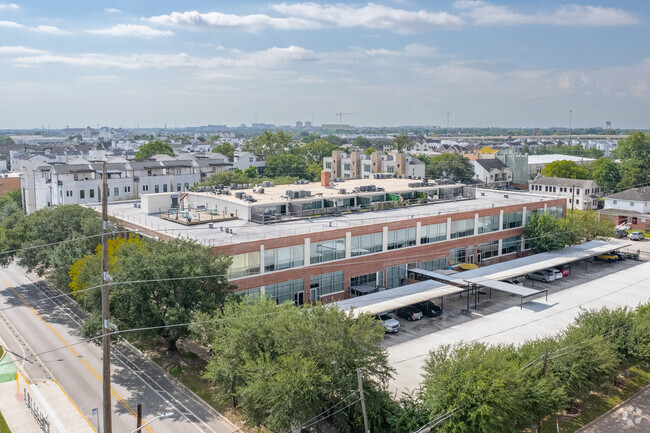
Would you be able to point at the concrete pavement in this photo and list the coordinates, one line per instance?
(37, 330)
(626, 287)
(632, 416)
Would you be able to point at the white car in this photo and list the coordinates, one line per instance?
(637, 236)
(514, 281)
(389, 323)
(556, 273)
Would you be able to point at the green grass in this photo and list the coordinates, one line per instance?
(4, 428)
(600, 402)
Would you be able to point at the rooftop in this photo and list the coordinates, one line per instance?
(247, 231)
(547, 159)
(561, 181)
(633, 194)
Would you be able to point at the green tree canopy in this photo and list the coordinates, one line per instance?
(402, 143)
(361, 142)
(334, 139)
(544, 232)
(6, 141)
(317, 150)
(169, 299)
(153, 148)
(225, 149)
(286, 164)
(634, 153)
(606, 173)
(565, 169)
(268, 144)
(369, 151)
(456, 167)
(286, 364)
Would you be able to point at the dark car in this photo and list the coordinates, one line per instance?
(621, 256)
(428, 308)
(409, 313)
(620, 233)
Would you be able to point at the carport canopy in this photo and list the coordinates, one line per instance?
(387, 300)
(503, 287)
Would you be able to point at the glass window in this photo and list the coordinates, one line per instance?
(401, 238)
(487, 250)
(530, 213)
(364, 280)
(556, 211)
(82, 194)
(511, 245)
(456, 256)
(254, 292)
(512, 220)
(164, 187)
(284, 258)
(395, 276)
(433, 233)
(366, 244)
(156, 189)
(488, 224)
(462, 228)
(91, 193)
(327, 250)
(321, 285)
(178, 186)
(244, 264)
(366, 169)
(116, 191)
(287, 291)
(433, 265)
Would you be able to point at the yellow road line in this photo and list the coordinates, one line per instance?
(75, 406)
(77, 356)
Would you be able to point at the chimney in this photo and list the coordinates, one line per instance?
(324, 178)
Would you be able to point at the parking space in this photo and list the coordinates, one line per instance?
(455, 306)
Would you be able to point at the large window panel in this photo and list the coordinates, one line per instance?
(321, 285)
(401, 238)
(457, 256)
(244, 265)
(462, 228)
(488, 224)
(512, 220)
(433, 233)
(285, 291)
(284, 258)
(395, 276)
(556, 211)
(488, 249)
(433, 265)
(327, 250)
(511, 245)
(366, 244)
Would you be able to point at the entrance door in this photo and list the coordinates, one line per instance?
(299, 298)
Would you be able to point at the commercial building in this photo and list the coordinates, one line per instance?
(579, 194)
(630, 208)
(366, 244)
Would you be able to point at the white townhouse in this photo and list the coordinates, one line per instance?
(492, 172)
(580, 194)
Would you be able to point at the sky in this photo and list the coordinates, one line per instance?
(383, 63)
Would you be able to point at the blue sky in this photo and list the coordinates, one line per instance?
(393, 62)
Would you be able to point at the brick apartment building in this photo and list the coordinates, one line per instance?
(332, 257)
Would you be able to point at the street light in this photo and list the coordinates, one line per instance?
(163, 416)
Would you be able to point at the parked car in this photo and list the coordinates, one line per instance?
(619, 233)
(409, 313)
(609, 258)
(514, 281)
(543, 276)
(428, 308)
(565, 270)
(637, 236)
(391, 324)
(621, 256)
(556, 273)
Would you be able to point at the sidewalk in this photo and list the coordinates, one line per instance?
(47, 398)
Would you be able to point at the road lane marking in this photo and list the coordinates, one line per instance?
(77, 356)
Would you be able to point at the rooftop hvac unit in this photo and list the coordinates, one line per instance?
(296, 194)
(289, 193)
(307, 193)
(260, 190)
(506, 196)
(342, 191)
(266, 184)
(248, 197)
(483, 194)
(239, 195)
(302, 193)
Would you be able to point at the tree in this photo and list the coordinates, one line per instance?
(585, 226)
(565, 169)
(286, 164)
(214, 138)
(369, 151)
(456, 167)
(313, 171)
(168, 300)
(634, 173)
(544, 232)
(289, 363)
(317, 150)
(361, 142)
(606, 174)
(634, 153)
(251, 172)
(225, 149)
(334, 139)
(268, 143)
(6, 141)
(308, 138)
(402, 143)
(154, 148)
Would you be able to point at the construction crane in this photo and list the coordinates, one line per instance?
(343, 114)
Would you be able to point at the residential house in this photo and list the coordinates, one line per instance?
(630, 207)
(492, 172)
(580, 194)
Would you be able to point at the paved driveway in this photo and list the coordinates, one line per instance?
(633, 416)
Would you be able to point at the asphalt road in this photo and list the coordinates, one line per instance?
(37, 328)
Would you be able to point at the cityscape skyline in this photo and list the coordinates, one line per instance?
(390, 63)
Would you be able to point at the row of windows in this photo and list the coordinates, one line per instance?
(321, 285)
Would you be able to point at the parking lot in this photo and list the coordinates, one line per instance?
(499, 319)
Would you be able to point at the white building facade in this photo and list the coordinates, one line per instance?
(580, 194)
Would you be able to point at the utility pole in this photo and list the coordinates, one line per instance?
(573, 197)
(539, 428)
(106, 338)
(363, 403)
(139, 418)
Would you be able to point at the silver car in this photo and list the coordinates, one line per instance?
(556, 273)
(391, 324)
(637, 236)
(543, 276)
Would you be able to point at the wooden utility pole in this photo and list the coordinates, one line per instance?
(139, 418)
(539, 428)
(106, 339)
(363, 403)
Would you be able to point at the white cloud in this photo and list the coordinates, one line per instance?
(9, 7)
(371, 16)
(112, 10)
(52, 30)
(270, 58)
(11, 24)
(101, 78)
(247, 23)
(19, 49)
(484, 14)
(136, 30)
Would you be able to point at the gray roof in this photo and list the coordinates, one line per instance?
(562, 181)
(491, 164)
(633, 194)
